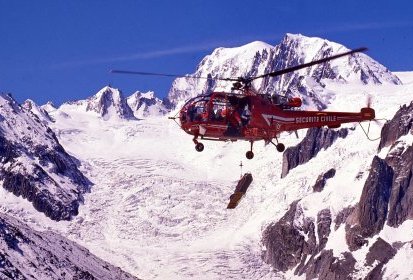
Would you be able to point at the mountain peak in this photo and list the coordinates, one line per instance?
(258, 58)
(38, 111)
(246, 50)
(144, 104)
(109, 103)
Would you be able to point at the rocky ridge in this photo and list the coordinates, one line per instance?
(35, 166)
(315, 140)
(291, 243)
(110, 104)
(37, 111)
(29, 254)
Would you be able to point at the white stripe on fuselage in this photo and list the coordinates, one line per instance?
(268, 119)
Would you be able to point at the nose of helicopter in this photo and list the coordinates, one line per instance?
(183, 116)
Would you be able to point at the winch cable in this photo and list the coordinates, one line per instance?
(368, 130)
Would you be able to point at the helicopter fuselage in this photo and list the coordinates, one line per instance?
(229, 117)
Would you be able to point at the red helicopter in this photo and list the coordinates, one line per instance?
(243, 114)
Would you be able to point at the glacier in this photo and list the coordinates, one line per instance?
(157, 208)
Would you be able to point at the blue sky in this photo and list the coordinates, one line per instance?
(63, 50)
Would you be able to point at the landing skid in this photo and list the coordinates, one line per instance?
(250, 154)
(279, 146)
(199, 147)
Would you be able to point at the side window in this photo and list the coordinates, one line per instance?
(219, 109)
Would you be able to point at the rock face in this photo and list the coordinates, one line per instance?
(299, 242)
(35, 166)
(400, 203)
(322, 180)
(109, 103)
(379, 254)
(400, 125)
(284, 243)
(29, 254)
(386, 198)
(371, 212)
(258, 58)
(315, 140)
(146, 104)
(372, 208)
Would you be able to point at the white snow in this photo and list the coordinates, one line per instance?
(158, 208)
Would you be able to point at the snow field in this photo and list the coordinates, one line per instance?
(157, 208)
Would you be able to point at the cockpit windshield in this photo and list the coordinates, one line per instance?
(195, 109)
(215, 107)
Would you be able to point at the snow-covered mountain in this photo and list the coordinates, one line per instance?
(35, 166)
(158, 208)
(303, 242)
(144, 104)
(109, 103)
(38, 111)
(333, 205)
(29, 254)
(258, 58)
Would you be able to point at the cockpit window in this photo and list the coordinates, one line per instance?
(219, 108)
(197, 110)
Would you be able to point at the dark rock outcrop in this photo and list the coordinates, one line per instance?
(292, 242)
(284, 243)
(400, 158)
(315, 140)
(387, 197)
(326, 266)
(370, 214)
(401, 124)
(342, 216)
(35, 166)
(29, 254)
(379, 254)
(372, 208)
(401, 199)
(323, 227)
(322, 180)
(380, 251)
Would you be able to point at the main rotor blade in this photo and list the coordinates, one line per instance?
(169, 75)
(301, 66)
(145, 73)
